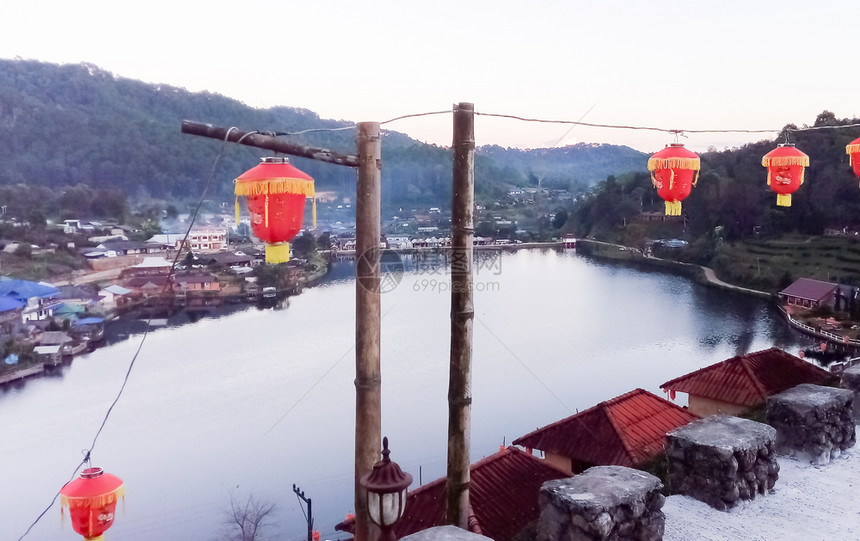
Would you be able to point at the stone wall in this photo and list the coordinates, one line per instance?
(602, 503)
(722, 460)
(813, 419)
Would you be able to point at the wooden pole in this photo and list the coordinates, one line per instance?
(368, 403)
(462, 313)
(269, 142)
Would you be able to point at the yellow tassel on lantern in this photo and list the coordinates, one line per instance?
(674, 162)
(237, 210)
(673, 208)
(275, 185)
(278, 253)
(783, 199)
(785, 161)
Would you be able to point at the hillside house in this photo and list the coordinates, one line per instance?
(628, 430)
(210, 239)
(810, 293)
(744, 382)
(150, 266)
(165, 241)
(503, 497)
(126, 247)
(38, 299)
(147, 286)
(198, 281)
(113, 295)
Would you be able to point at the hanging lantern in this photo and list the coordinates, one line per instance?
(853, 151)
(276, 193)
(91, 500)
(674, 172)
(785, 165)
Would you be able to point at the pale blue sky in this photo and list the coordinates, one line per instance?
(730, 64)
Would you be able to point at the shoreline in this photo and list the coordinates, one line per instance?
(704, 276)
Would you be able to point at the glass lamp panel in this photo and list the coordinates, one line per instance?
(390, 508)
(373, 507)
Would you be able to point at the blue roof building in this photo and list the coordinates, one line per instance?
(38, 299)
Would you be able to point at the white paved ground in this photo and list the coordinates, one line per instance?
(808, 503)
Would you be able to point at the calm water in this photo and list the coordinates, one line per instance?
(256, 401)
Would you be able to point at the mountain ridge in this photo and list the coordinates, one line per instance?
(77, 123)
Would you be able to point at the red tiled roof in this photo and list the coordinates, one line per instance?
(807, 288)
(503, 495)
(628, 430)
(748, 380)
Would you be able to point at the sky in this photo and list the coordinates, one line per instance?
(692, 65)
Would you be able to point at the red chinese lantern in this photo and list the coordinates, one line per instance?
(674, 172)
(276, 193)
(91, 500)
(785, 165)
(853, 151)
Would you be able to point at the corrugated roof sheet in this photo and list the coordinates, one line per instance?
(24, 289)
(807, 288)
(749, 379)
(503, 495)
(628, 430)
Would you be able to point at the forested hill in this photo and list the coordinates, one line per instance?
(555, 167)
(77, 124)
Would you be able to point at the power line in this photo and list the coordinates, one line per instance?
(618, 126)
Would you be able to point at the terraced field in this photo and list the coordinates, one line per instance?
(773, 264)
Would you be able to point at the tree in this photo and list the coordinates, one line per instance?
(246, 520)
(560, 218)
(172, 213)
(304, 245)
(324, 241)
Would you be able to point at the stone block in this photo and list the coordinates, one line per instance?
(722, 460)
(812, 419)
(602, 503)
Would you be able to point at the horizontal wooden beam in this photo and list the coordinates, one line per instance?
(268, 142)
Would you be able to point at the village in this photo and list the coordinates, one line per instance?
(43, 323)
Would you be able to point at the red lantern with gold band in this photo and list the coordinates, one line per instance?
(853, 151)
(674, 172)
(91, 500)
(785, 166)
(276, 193)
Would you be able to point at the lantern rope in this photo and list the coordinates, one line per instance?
(192, 219)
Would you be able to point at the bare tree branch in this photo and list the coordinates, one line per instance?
(247, 520)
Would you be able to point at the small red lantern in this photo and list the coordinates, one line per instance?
(91, 500)
(276, 193)
(785, 165)
(853, 151)
(674, 172)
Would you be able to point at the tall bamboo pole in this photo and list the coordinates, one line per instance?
(368, 403)
(462, 314)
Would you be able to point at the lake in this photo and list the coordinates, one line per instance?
(258, 400)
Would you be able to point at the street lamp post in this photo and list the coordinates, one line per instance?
(386, 493)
